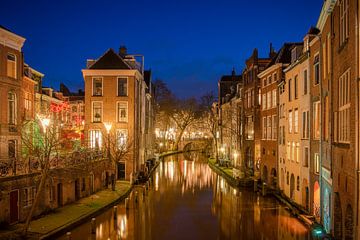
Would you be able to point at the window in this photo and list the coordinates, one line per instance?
(316, 163)
(11, 65)
(293, 151)
(316, 70)
(287, 178)
(326, 122)
(343, 130)
(274, 102)
(297, 154)
(296, 87)
(259, 97)
(97, 111)
(274, 124)
(12, 149)
(122, 111)
(250, 128)
(305, 85)
(306, 157)
(275, 77)
(74, 109)
(283, 133)
(344, 20)
(317, 120)
(269, 100)
(29, 196)
(264, 81)
(269, 80)
(264, 101)
(296, 121)
(97, 86)
(252, 97)
(12, 108)
(298, 183)
(264, 127)
(27, 101)
(95, 139)
(269, 128)
(305, 124)
(122, 138)
(122, 87)
(289, 90)
(290, 121)
(288, 151)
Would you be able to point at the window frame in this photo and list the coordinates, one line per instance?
(92, 86)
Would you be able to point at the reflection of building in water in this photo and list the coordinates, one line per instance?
(244, 215)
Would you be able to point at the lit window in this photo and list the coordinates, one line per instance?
(274, 102)
(29, 196)
(296, 121)
(122, 111)
(95, 139)
(264, 127)
(274, 124)
(317, 163)
(317, 120)
(343, 118)
(264, 101)
(11, 65)
(269, 128)
(290, 121)
(12, 108)
(269, 100)
(97, 87)
(97, 111)
(122, 138)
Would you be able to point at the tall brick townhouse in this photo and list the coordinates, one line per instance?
(252, 101)
(115, 93)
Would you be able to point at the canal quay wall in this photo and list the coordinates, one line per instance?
(295, 209)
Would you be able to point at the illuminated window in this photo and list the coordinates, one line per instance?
(297, 154)
(12, 108)
(316, 120)
(29, 196)
(122, 138)
(290, 121)
(269, 128)
(274, 124)
(97, 111)
(97, 87)
(343, 118)
(274, 102)
(11, 65)
(122, 111)
(296, 121)
(264, 127)
(317, 163)
(264, 101)
(95, 139)
(269, 100)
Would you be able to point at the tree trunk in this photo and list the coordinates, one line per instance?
(36, 201)
(177, 140)
(216, 151)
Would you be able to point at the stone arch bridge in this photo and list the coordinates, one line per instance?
(199, 144)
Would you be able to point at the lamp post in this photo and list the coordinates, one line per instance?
(108, 126)
(45, 122)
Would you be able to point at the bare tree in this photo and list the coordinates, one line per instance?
(211, 118)
(42, 147)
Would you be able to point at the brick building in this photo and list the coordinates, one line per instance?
(251, 102)
(115, 93)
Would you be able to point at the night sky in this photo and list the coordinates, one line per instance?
(189, 44)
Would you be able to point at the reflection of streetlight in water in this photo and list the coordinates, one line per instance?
(122, 229)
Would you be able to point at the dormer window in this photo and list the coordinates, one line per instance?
(11, 65)
(293, 55)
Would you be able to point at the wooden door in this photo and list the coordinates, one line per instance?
(14, 206)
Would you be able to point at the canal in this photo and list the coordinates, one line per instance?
(187, 200)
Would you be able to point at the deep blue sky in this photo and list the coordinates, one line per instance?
(188, 43)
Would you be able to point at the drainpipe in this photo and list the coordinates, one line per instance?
(357, 141)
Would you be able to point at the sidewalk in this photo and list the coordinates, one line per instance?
(73, 214)
(227, 173)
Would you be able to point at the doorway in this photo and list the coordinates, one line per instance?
(14, 206)
(121, 171)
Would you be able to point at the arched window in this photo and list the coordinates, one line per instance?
(12, 108)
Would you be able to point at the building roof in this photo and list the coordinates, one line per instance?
(284, 54)
(110, 60)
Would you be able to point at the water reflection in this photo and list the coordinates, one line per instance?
(186, 200)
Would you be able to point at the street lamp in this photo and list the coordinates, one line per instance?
(235, 158)
(45, 122)
(108, 126)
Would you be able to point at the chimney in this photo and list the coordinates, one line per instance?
(272, 52)
(122, 51)
(89, 62)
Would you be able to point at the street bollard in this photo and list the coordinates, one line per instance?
(264, 189)
(255, 185)
(127, 204)
(68, 235)
(93, 226)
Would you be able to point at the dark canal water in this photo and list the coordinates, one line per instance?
(186, 200)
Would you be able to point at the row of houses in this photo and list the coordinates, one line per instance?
(291, 119)
(118, 100)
